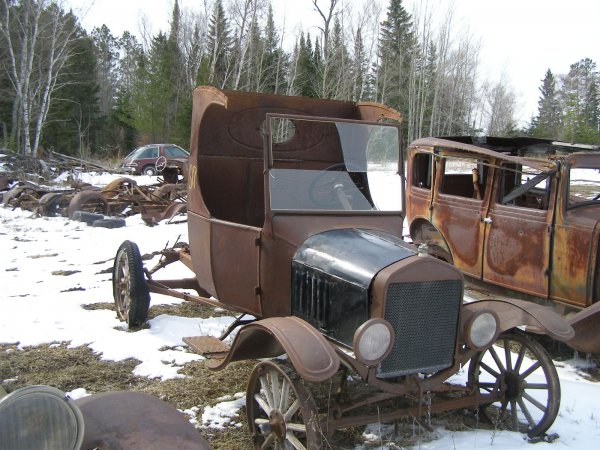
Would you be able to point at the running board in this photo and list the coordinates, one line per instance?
(212, 348)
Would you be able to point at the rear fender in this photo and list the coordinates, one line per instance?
(312, 356)
(518, 313)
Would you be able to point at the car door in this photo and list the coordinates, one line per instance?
(518, 229)
(459, 206)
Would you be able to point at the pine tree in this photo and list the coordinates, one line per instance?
(106, 54)
(548, 121)
(396, 48)
(273, 63)
(219, 47)
(359, 69)
(580, 100)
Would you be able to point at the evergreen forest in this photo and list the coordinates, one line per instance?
(94, 94)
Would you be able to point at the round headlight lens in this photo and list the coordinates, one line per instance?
(373, 340)
(483, 330)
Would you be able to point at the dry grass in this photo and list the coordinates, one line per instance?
(70, 368)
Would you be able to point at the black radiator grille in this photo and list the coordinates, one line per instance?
(424, 316)
(332, 305)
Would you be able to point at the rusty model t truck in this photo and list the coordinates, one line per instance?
(521, 214)
(295, 213)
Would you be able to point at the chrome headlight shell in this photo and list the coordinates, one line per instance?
(482, 329)
(373, 341)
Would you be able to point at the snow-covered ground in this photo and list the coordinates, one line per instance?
(50, 267)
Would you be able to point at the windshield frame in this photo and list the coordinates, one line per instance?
(269, 165)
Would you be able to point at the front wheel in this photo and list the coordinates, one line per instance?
(520, 372)
(130, 291)
(281, 412)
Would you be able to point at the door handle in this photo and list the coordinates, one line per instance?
(486, 220)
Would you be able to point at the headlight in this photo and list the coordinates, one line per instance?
(373, 341)
(481, 329)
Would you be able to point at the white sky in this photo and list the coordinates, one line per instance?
(520, 39)
(40, 306)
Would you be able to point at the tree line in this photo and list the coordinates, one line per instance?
(95, 93)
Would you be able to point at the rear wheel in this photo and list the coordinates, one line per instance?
(518, 370)
(130, 291)
(149, 170)
(281, 412)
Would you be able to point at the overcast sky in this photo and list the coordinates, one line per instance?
(520, 39)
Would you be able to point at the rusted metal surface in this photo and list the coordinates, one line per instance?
(312, 271)
(522, 235)
(121, 197)
(134, 420)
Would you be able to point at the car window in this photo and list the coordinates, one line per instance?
(464, 177)
(148, 152)
(366, 178)
(584, 186)
(524, 186)
(175, 152)
(422, 170)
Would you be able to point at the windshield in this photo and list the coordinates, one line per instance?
(584, 186)
(327, 165)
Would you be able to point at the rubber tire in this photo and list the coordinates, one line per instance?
(149, 170)
(139, 297)
(87, 217)
(109, 223)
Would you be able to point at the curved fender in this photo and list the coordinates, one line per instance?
(514, 313)
(309, 352)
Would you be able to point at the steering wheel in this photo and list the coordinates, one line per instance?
(329, 190)
(160, 164)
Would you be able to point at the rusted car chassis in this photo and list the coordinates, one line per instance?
(292, 225)
(121, 197)
(517, 215)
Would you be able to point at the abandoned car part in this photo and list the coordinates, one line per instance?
(517, 214)
(291, 220)
(43, 417)
(129, 287)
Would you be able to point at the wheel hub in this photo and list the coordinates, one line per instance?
(277, 424)
(514, 386)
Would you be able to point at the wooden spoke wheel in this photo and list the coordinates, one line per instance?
(521, 373)
(130, 291)
(281, 412)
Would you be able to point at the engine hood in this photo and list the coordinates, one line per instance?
(353, 255)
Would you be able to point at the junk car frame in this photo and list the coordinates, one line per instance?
(290, 226)
(518, 216)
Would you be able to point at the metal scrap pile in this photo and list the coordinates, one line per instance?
(48, 165)
(81, 201)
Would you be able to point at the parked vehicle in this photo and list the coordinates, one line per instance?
(519, 213)
(142, 161)
(295, 213)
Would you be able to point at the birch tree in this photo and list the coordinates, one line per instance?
(36, 35)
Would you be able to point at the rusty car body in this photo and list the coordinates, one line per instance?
(295, 217)
(522, 214)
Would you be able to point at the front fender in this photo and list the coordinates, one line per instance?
(310, 353)
(515, 313)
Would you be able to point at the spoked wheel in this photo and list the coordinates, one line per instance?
(281, 412)
(130, 291)
(518, 369)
